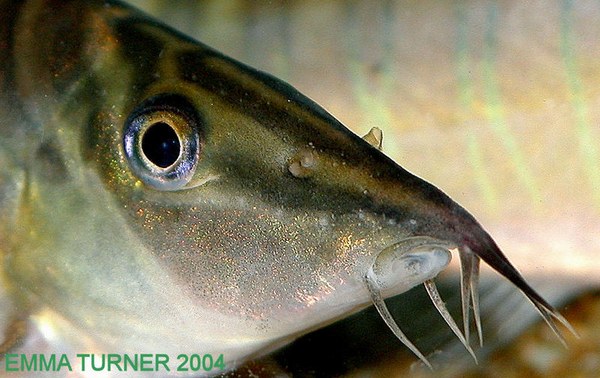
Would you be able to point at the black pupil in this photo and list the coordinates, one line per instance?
(161, 145)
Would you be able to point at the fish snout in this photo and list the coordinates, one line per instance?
(432, 224)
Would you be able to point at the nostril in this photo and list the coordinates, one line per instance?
(303, 163)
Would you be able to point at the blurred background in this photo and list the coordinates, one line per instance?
(497, 104)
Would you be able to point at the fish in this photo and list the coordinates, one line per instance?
(160, 197)
(501, 95)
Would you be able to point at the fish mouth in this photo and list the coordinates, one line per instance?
(402, 266)
(419, 259)
(407, 263)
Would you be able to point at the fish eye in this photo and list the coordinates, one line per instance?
(161, 145)
(162, 141)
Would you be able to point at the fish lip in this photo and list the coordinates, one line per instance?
(409, 262)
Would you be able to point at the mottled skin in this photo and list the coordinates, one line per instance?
(239, 260)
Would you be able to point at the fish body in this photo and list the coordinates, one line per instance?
(160, 197)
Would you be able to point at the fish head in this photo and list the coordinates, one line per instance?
(258, 204)
(205, 203)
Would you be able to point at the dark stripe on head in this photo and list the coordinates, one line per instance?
(54, 35)
(263, 97)
(9, 14)
(140, 47)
